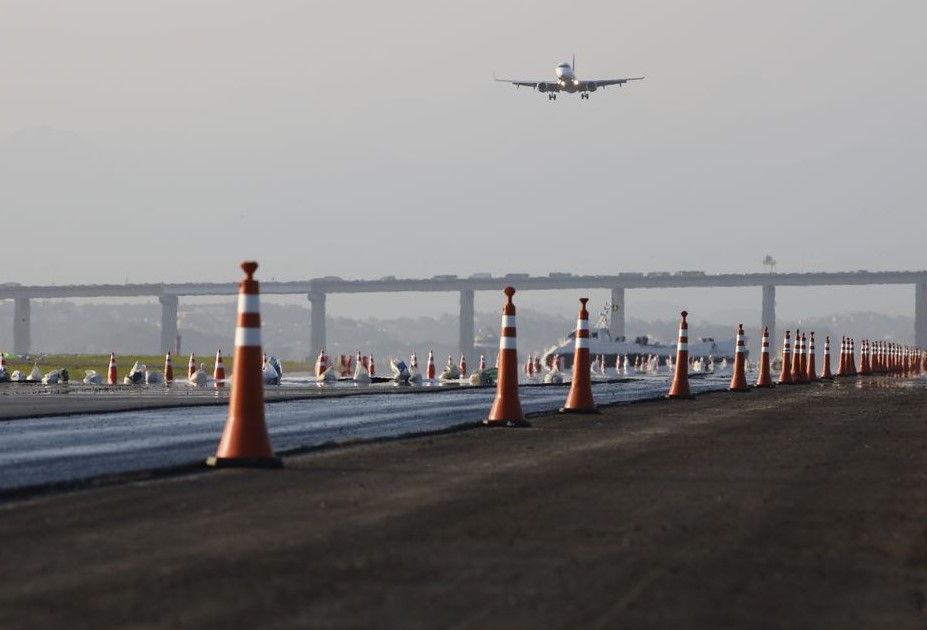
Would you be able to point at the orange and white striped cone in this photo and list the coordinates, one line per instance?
(811, 372)
(680, 386)
(796, 359)
(2, 361)
(482, 362)
(168, 368)
(785, 376)
(864, 364)
(803, 360)
(506, 408)
(463, 366)
(579, 399)
(430, 367)
(245, 441)
(321, 364)
(842, 362)
(112, 377)
(191, 366)
(413, 360)
(218, 374)
(764, 379)
(370, 367)
(825, 367)
(739, 377)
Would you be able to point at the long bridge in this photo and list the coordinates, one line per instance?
(318, 289)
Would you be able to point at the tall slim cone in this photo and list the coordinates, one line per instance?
(811, 371)
(680, 385)
(785, 376)
(764, 379)
(796, 358)
(506, 408)
(825, 362)
(245, 441)
(168, 368)
(739, 377)
(579, 400)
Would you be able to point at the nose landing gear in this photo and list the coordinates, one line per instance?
(584, 95)
(551, 97)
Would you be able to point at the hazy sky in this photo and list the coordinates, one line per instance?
(165, 140)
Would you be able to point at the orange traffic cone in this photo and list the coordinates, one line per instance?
(321, 363)
(739, 378)
(111, 376)
(842, 361)
(803, 360)
(463, 366)
(811, 372)
(825, 368)
(680, 386)
(506, 408)
(168, 369)
(796, 359)
(851, 356)
(482, 362)
(218, 374)
(191, 366)
(785, 377)
(579, 400)
(864, 357)
(245, 441)
(370, 368)
(430, 366)
(764, 379)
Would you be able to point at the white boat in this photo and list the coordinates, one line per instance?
(602, 344)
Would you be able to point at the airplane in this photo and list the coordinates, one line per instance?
(567, 82)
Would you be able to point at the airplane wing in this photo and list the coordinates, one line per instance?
(551, 86)
(606, 82)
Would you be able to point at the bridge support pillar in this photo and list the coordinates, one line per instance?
(920, 315)
(616, 318)
(768, 319)
(317, 337)
(466, 325)
(168, 322)
(22, 325)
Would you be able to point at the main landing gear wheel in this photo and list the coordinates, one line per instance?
(551, 97)
(584, 95)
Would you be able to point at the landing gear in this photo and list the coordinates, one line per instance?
(584, 95)
(551, 97)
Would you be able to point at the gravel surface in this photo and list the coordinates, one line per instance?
(800, 506)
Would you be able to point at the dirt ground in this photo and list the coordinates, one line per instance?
(797, 507)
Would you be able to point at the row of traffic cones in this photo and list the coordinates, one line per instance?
(245, 440)
(218, 375)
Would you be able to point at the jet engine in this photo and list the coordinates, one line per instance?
(591, 86)
(542, 87)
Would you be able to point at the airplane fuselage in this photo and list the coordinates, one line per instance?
(567, 78)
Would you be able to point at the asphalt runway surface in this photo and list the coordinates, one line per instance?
(801, 506)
